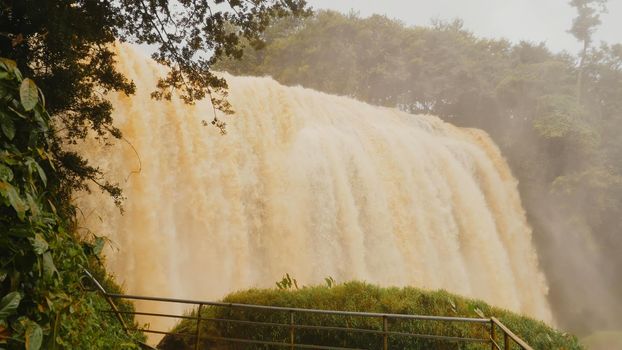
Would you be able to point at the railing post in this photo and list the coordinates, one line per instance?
(492, 334)
(291, 330)
(385, 336)
(197, 337)
(106, 296)
(506, 341)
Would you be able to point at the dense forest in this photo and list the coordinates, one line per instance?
(556, 116)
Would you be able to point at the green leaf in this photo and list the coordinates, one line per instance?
(99, 245)
(7, 64)
(10, 66)
(8, 191)
(41, 173)
(32, 205)
(39, 244)
(39, 117)
(34, 336)
(8, 127)
(18, 113)
(48, 264)
(28, 94)
(9, 304)
(4, 91)
(42, 98)
(34, 166)
(6, 174)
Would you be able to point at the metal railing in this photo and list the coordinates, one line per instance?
(509, 338)
(491, 328)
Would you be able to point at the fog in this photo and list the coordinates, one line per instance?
(516, 20)
(553, 110)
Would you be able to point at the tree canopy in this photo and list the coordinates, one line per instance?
(563, 148)
(67, 48)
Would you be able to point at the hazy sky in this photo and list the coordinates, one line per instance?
(532, 20)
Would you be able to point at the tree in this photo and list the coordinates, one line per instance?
(66, 47)
(565, 153)
(583, 27)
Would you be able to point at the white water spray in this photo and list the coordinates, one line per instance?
(312, 185)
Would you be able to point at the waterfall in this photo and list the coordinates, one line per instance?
(308, 184)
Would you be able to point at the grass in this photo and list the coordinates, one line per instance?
(359, 296)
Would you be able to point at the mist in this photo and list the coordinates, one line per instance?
(516, 70)
(515, 20)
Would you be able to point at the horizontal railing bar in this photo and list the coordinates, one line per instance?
(344, 329)
(439, 337)
(302, 346)
(152, 314)
(513, 336)
(433, 337)
(316, 311)
(226, 320)
(309, 327)
(161, 332)
(381, 332)
(251, 341)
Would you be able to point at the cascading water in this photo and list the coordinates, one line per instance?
(308, 184)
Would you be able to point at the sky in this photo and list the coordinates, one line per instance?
(531, 20)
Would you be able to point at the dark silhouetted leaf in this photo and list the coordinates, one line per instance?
(8, 127)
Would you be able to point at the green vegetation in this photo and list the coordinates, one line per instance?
(556, 117)
(67, 48)
(44, 303)
(358, 296)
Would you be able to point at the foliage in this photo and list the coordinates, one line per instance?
(588, 18)
(44, 304)
(68, 48)
(563, 148)
(358, 296)
(583, 27)
(287, 282)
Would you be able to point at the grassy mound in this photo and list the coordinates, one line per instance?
(358, 296)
